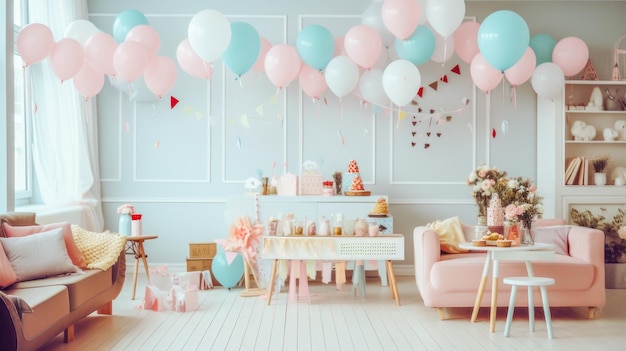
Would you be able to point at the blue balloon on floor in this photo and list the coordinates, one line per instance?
(227, 274)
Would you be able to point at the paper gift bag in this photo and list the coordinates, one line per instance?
(185, 279)
(154, 299)
(183, 300)
(160, 278)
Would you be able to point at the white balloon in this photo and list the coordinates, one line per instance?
(548, 80)
(80, 30)
(444, 48)
(209, 34)
(445, 16)
(371, 87)
(372, 16)
(342, 75)
(401, 80)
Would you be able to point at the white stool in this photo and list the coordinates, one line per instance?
(530, 281)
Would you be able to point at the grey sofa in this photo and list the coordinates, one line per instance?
(57, 302)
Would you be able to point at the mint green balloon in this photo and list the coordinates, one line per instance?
(503, 38)
(125, 21)
(417, 48)
(316, 46)
(542, 45)
(243, 49)
(227, 274)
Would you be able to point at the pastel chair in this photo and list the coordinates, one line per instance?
(530, 282)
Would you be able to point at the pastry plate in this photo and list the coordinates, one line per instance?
(357, 193)
(377, 215)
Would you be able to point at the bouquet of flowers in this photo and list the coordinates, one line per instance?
(484, 182)
(524, 212)
(126, 209)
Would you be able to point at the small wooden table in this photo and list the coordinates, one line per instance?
(494, 285)
(135, 247)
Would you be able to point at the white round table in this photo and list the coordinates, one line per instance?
(494, 286)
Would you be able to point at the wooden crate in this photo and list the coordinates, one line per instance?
(202, 250)
(201, 264)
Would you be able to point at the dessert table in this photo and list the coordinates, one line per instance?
(494, 286)
(337, 248)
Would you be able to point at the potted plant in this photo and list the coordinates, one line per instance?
(599, 166)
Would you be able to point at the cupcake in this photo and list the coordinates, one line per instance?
(479, 242)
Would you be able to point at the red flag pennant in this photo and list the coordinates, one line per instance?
(456, 69)
(420, 92)
(434, 85)
(173, 102)
(493, 132)
(444, 78)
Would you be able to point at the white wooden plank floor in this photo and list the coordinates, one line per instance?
(336, 320)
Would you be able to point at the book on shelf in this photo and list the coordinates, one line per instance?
(577, 171)
(572, 170)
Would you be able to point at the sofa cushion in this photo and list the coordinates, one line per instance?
(81, 287)
(463, 272)
(50, 305)
(38, 256)
(70, 244)
(555, 235)
(450, 234)
(7, 274)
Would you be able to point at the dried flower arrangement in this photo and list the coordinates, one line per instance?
(600, 163)
(614, 231)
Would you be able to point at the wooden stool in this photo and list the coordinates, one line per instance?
(530, 281)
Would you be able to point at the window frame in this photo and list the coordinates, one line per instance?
(23, 196)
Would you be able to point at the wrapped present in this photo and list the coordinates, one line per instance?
(206, 281)
(183, 299)
(154, 299)
(160, 277)
(288, 185)
(311, 182)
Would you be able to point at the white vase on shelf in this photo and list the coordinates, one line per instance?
(599, 178)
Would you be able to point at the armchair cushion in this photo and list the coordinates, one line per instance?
(555, 235)
(7, 274)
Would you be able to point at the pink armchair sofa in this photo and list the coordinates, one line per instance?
(451, 280)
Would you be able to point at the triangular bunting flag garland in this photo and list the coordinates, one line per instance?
(434, 85)
(173, 102)
(456, 69)
(444, 78)
(420, 91)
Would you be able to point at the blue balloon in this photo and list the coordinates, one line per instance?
(503, 38)
(243, 49)
(125, 21)
(315, 46)
(419, 47)
(227, 274)
(543, 45)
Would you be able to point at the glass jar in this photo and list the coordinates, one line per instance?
(512, 232)
(527, 236)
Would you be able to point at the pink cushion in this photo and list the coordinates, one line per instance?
(77, 257)
(555, 235)
(7, 274)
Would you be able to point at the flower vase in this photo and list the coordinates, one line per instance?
(512, 232)
(125, 224)
(526, 236)
(599, 178)
(481, 228)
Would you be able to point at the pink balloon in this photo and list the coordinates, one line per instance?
(340, 47)
(282, 64)
(259, 65)
(191, 63)
(483, 74)
(160, 75)
(520, 72)
(466, 41)
(88, 81)
(401, 17)
(66, 58)
(99, 50)
(129, 60)
(363, 45)
(34, 43)
(312, 81)
(571, 54)
(146, 36)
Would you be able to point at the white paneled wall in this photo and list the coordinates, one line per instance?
(180, 165)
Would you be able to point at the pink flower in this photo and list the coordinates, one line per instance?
(126, 209)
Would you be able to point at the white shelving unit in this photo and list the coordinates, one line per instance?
(556, 146)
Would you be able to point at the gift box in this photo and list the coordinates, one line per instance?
(311, 183)
(202, 250)
(183, 299)
(385, 224)
(288, 185)
(154, 299)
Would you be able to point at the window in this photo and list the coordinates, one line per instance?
(23, 164)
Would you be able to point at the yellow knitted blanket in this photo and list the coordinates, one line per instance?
(101, 250)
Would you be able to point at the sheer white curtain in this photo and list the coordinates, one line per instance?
(65, 134)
